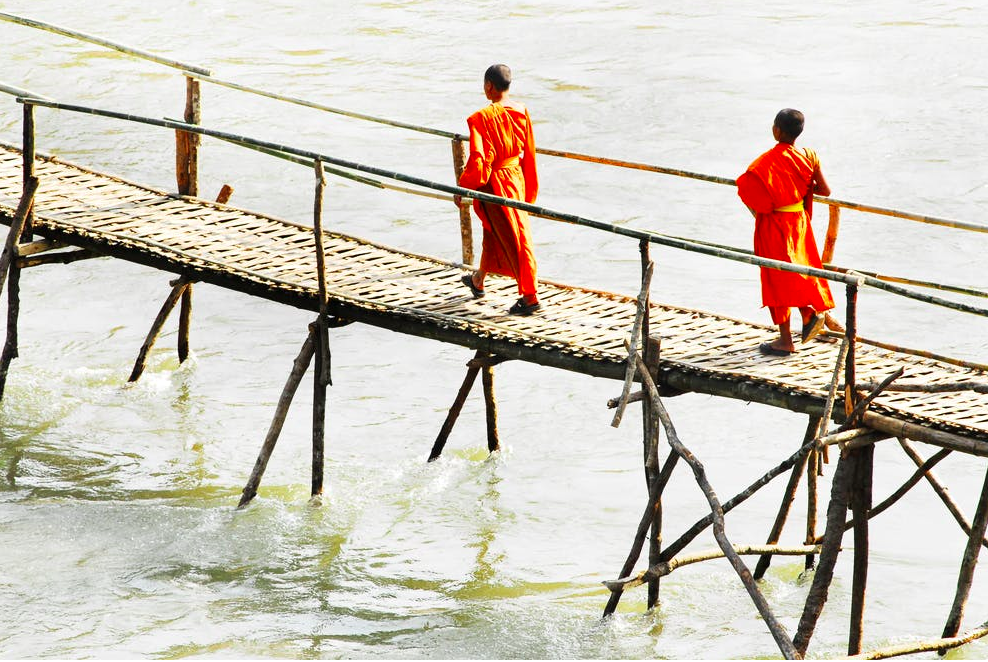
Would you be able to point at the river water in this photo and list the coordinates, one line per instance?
(117, 525)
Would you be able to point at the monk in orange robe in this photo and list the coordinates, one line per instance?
(778, 188)
(502, 163)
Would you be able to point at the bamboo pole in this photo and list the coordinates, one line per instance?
(187, 177)
(299, 367)
(27, 156)
(629, 373)
(667, 567)
(787, 498)
(62, 257)
(650, 438)
(941, 387)
(850, 333)
(141, 363)
(779, 633)
(833, 227)
(490, 408)
(941, 645)
(970, 560)
(10, 251)
(859, 408)
(938, 488)
(655, 489)
(466, 227)
(317, 231)
(812, 502)
(13, 310)
(454, 410)
(824, 574)
(860, 503)
(318, 415)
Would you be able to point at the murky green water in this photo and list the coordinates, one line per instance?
(117, 527)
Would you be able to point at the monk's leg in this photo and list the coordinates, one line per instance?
(527, 274)
(781, 316)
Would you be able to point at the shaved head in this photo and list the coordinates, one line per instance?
(790, 123)
(499, 75)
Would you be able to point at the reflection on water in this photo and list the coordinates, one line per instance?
(117, 525)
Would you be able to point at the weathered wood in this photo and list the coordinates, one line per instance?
(299, 367)
(862, 405)
(650, 442)
(970, 560)
(629, 374)
(941, 645)
(787, 498)
(152, 335)
(850, 334)
(187, 143)
(60, 257)
(318, 413)
(834, 532)
(13, 310)
(833, 227)
(490, 408)
(860, 504)
(324, 368)
(778, 631)
(223, 197)
(812, 503)
(454, 411)
(667, 567)
(40, 246)
(21, 215)
(466, 227)
(27, 160)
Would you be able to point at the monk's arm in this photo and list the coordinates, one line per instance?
(820, 185)
(477, 170)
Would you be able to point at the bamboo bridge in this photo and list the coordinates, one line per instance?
(849, 387)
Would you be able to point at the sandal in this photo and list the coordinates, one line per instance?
(468, 281)
(813, 327)
(522, 308)
(767, 349)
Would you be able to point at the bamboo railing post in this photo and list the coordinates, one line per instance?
(490, 408)
(970, 560)
(322, 375)
(454, 411)
(13, 310)
(850, 333)
(812, 502)
(11, 272)
(28, 153)
(833, 226)
(299, 367)
(466, 228)
(187, 176)
(652, 347)
(860, 504)
(787, 499)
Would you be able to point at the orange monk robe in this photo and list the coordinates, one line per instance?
(502, 162)
(781, 178)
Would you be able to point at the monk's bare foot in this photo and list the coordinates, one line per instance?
(777, 348)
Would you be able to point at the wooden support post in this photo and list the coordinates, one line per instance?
(970, 560)
(836, 512)
(27, 154)
(323, 376)
(281, 411)
(13, 309)
(812, 502)
(629, 375)
(787, 499)
(652, 347)
(187, 176)
(318, 415)
(833, 226)
(466, 230)
(850, 334)
(860, 503)
(454, 411)
(490, 407)
(159, 321)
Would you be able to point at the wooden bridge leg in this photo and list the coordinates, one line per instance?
(650, 438)
(787, 498)
(836, 512)
(13, 309)
(159, 321)
(320, 382)
(860, 502)
(294, 379)
(812, 472)
(454, 411)
(970, 560)
(12, 273)
(490, 404)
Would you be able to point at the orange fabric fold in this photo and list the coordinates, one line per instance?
(781, 177)
(502, 162)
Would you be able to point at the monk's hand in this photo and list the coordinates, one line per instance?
(458, 200)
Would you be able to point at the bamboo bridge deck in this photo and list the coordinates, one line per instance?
(578, 329)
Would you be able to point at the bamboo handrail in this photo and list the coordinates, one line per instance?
(13, 90)
(82, 36)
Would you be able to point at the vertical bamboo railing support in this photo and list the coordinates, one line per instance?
(466, 229)
(787, 498)
(812, 501)
(299, 367)
(27, 154)
(490, 408)
(473, 368)
(966, 576)
(850, 334)
(833, 226)
(860, 503)
(321, 377)
(187, 175)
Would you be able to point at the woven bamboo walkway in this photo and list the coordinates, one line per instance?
(578, 329)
